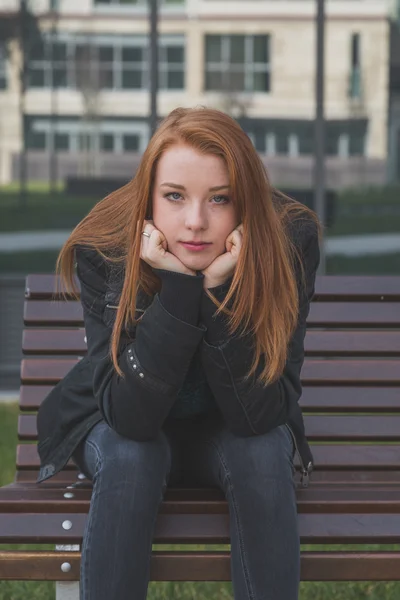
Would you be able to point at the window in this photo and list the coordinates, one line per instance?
(36, 140)
(106, 63)
(107, 142)
(355, 67)
(113, 136)
(172, 66)
(120, 2)
(237, 63)
(128, 3)
(61, 141)
(44, 54)
(332, 141)
(103, 63)
(3, 67)
(295, 137)
(259, 141)
(133, 68)
(85, 142)
(130, 143)
(357, 144)
(282, 142)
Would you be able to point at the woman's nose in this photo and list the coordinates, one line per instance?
(196, 218)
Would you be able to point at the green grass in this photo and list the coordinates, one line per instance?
(357, 225)
(351, 202)
(41, 211)
(383, 264)
(8, 441)
(20, 590)
(31, 261)
(370, 195)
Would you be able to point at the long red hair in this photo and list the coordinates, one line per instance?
(263, 296)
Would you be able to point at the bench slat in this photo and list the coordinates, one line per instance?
(319, 428)
(322, 314)
(28, 477)
(206, 529)
(326, 456)
(167, 565)
(323, 399)
(201, 501)
(42, 312)
(326, 287)
(42, 285)
(317, 343)
(210, 566)
(54, 341)
(315, 372)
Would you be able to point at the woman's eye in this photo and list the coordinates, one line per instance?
(221, 199)
(173, 194)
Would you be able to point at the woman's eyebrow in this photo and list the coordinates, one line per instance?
(182, 187)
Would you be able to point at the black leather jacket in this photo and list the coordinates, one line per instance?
(155, 358)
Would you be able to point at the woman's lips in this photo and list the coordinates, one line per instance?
(195, 247)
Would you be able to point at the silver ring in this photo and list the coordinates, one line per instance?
(145, 233)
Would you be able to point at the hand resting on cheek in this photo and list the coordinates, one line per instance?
(154, 251)
(224, 265)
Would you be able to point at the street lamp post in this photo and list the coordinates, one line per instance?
(24, 43)
(153, 44)
(53, 166)
(319, 153)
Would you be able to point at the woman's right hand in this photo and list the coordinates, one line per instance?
(154, 251)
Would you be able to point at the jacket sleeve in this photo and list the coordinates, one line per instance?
(154, 357)
(248, 407)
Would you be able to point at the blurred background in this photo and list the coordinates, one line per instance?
(315, 85)
(83, 83)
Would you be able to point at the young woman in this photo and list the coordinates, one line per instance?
(196, 279)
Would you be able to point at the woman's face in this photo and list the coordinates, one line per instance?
(192, 203)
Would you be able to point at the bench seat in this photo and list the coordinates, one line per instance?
(351, 406)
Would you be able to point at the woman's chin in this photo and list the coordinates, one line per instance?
(196, 263)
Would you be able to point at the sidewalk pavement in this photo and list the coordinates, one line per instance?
(347, 245)
(9, 396)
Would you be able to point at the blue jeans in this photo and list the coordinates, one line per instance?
(129, 481)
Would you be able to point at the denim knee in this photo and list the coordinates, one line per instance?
(116, 458)
(253, 461)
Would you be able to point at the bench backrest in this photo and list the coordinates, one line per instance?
(351, 375)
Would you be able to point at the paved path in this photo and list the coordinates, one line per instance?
(32, 240)
(9, 396)
(363, 245)
(348, 245)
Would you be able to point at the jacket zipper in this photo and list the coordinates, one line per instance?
(116, 307)
(305, 471)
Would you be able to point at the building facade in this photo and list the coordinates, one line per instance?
(87, 96)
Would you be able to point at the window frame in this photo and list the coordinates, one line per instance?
(248, 67)
(117, 66)
(75, 129)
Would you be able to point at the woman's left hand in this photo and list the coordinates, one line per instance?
(224, 265)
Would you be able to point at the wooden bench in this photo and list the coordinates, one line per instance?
(351, 403)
